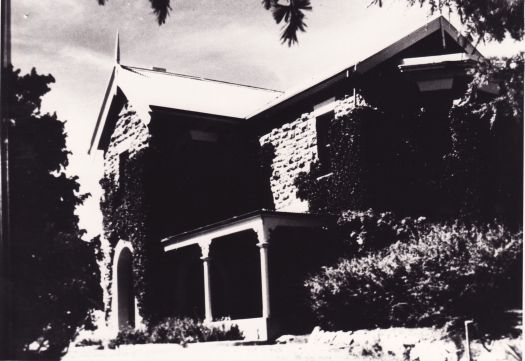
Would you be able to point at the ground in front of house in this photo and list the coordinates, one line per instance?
(207, 351)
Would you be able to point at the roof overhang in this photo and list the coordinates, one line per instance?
(150, 91)
(248, 221)
(441, 72)
(349, 73)
(111, 92)
(199, 116)
(324, 87)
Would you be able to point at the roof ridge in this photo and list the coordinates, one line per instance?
(132, 69)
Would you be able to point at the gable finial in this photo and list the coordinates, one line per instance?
(117, 49)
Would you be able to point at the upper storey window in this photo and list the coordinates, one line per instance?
(123, 160)
(324, 114)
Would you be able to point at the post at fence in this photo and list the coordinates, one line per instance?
(467, 340)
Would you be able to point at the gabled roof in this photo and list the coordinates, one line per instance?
(439, 24)
(190, 93)
(158, 88)
(206, 96)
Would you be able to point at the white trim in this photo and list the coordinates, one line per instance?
(111, 91)
(243, 225)
(324, 107)
(436, 59)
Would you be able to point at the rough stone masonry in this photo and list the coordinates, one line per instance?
(295, 145)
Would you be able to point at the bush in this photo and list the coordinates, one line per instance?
(130, 336)
(366, 231)
(89, 342)
(450, 272)
(176, 330)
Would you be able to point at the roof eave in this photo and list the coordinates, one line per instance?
(361, 67)
(102, 115)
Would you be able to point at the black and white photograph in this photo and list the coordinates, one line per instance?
(288, 180)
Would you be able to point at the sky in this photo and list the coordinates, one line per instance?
(231, 40)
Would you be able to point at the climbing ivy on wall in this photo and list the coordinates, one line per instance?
(368, 151)
(486, 156)
(127, 216)
(463, 162)
(172, 186)
(346, 186)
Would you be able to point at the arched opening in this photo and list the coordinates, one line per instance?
(126, 299)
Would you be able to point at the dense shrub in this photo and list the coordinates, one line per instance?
(130, 336)
(89, 342)
(177, 330)
(365, 231)
(449, 272)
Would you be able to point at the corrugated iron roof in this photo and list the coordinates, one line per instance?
(190, 93)
(158, 88)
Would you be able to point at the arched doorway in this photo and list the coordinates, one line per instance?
(125, 297)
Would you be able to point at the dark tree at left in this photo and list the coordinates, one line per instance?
(55, 277)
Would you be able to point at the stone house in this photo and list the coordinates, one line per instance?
(234, 237)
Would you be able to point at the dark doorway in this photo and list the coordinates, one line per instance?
(126, 300)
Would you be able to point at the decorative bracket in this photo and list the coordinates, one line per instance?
(205, 249)
(264, 232)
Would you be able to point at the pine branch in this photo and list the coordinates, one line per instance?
(161, 9)
(293, 17)
(268, 4)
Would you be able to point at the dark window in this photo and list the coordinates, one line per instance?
(122, 165)
(323, 142)
(123, 160)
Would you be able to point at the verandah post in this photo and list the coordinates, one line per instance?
(263, 237)
(205, 257)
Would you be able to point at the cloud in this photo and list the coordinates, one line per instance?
(85, 56)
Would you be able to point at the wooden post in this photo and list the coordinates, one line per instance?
(262, 235)
(205, 251)
(467, 341)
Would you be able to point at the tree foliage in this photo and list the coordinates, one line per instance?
(291, 15)
(483, 172)
(487, 20)
(490, 19)
(161, 9)
(54, 272)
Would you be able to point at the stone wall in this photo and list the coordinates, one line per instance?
(131, 134)
(295, 145)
